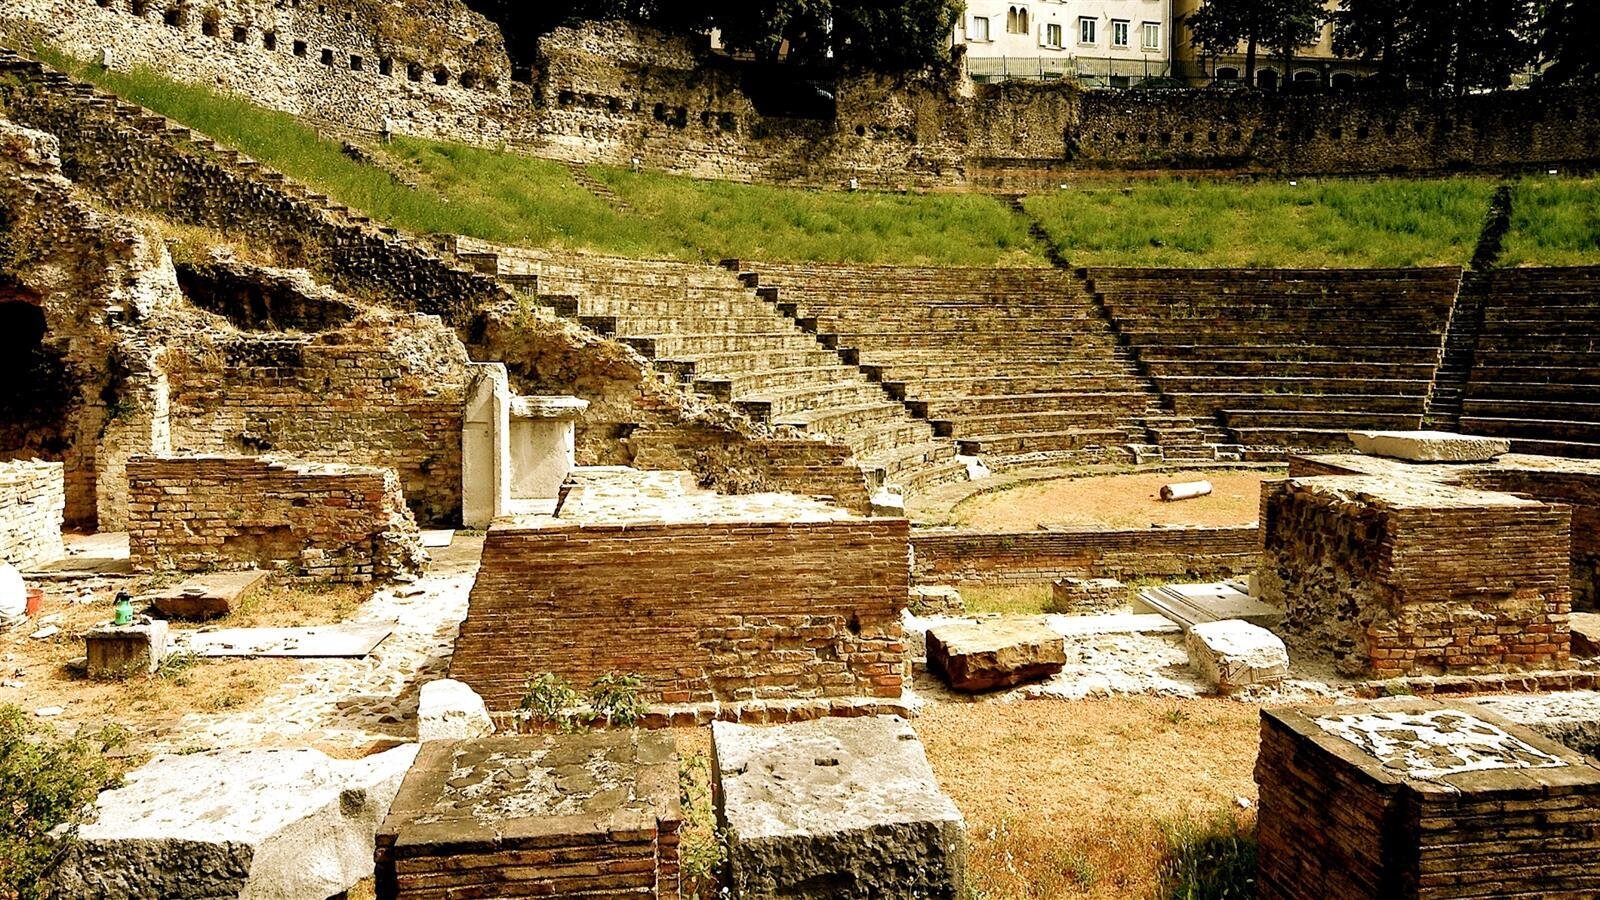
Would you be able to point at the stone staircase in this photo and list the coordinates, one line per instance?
(1443, 410)
(1284, 359)
(702, 326)
(1009, 362)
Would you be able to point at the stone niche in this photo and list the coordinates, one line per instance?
(516, 451)
(308, 520)
(711, 598)
(1399, 577)
(32, 502)
(1411, 799)
(535, 816)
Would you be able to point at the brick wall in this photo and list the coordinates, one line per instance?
(704, 611)
(32, 500)
(317, 521)
(1411, 577)
(1334, 822)
(1038, 556)
(382, 393)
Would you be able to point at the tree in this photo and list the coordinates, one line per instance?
(909, 34)
(1220, 26)
(1568, 40)
(797, 30)
(1446, 45)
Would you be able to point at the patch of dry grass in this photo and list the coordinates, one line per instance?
(289, 604)
(1078, 799)
(1006, 599)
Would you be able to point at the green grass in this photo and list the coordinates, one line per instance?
(513, 199)
(1554, 222)
(1334, 223)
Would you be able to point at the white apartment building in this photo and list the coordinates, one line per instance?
(1116, 43)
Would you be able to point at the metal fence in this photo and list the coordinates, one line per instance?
(1087, 70)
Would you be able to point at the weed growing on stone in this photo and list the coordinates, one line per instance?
(549, 703)
(47, 780)
(614, 698)
(702, 846)
(1210, 859)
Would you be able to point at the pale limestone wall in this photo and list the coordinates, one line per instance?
(32, 499)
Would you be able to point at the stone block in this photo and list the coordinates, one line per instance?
(1087, 595)
(835, 808)
(204, 597)
(1231, 655)
(982, 656)
(1190, 604)
(1570, 718)
(1585, 634)
(1429, 446)
(448, 710)
(235, 823)
(116, 651)
(536, 815)
(936, 600)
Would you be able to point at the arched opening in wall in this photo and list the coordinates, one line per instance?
(1227, 73)
(469, 80)
(1342, 81)
(1306, 77)
(413, 72)
(1267, 79)
(37, 395)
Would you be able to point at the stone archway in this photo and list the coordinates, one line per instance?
(38, 395)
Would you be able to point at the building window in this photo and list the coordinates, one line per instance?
(327, 57)
(1086, 30)
(357, 63)
(1017, 20)
(1052, 35)
(1119, 32)
(385, 65)
(980, 28)
(1151, 34)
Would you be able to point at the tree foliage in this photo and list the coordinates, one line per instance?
(1450, 46)
(882, 34)
(1221, 26)
(1568, 40)
(45, 780)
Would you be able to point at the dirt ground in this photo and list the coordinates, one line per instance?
(1115, 501)
(1069, 799)
(35, 676)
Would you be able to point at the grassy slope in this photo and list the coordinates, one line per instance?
(1554, 222)
(515, 199)
(1189, 223)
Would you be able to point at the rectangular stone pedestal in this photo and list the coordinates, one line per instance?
(1410, 799)
(835, 808)
(535, 816)
(116, 651)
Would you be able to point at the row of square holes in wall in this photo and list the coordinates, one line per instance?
(210, 26)
(1335, 133)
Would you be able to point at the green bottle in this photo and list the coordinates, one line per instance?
(124, 609)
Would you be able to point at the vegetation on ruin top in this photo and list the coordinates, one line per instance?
(1554, 222)
(1279, 223)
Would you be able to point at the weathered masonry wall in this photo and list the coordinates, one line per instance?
(729, 611)
(612, 93)
(32, 500)
(1040, 556)
(1414, 577)
(318, 521)
(1410, 799)
(384, 391)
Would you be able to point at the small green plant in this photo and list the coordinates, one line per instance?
(1175, 716)
(615, 699)
(702, 846)
(47, 780)
(548, 702)
(1210, 859)
(176, 665)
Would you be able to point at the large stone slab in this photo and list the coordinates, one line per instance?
(1571, 718)
(835, 808)
(1429, 446)
(1585, 634)
(235, 823)
(1231, 655)
(208, 596)
(1190, 604)
(569, 815)
(982, 656)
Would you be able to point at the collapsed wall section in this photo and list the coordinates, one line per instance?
(315, 521)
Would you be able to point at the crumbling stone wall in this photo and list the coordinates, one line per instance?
(83, 388)
(1414, 577)
(610, 92)
(1578, 488)
(382, 389)
(32, 502)
(704, 611)
(315, 521)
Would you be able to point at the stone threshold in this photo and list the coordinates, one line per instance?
(1490, 683)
